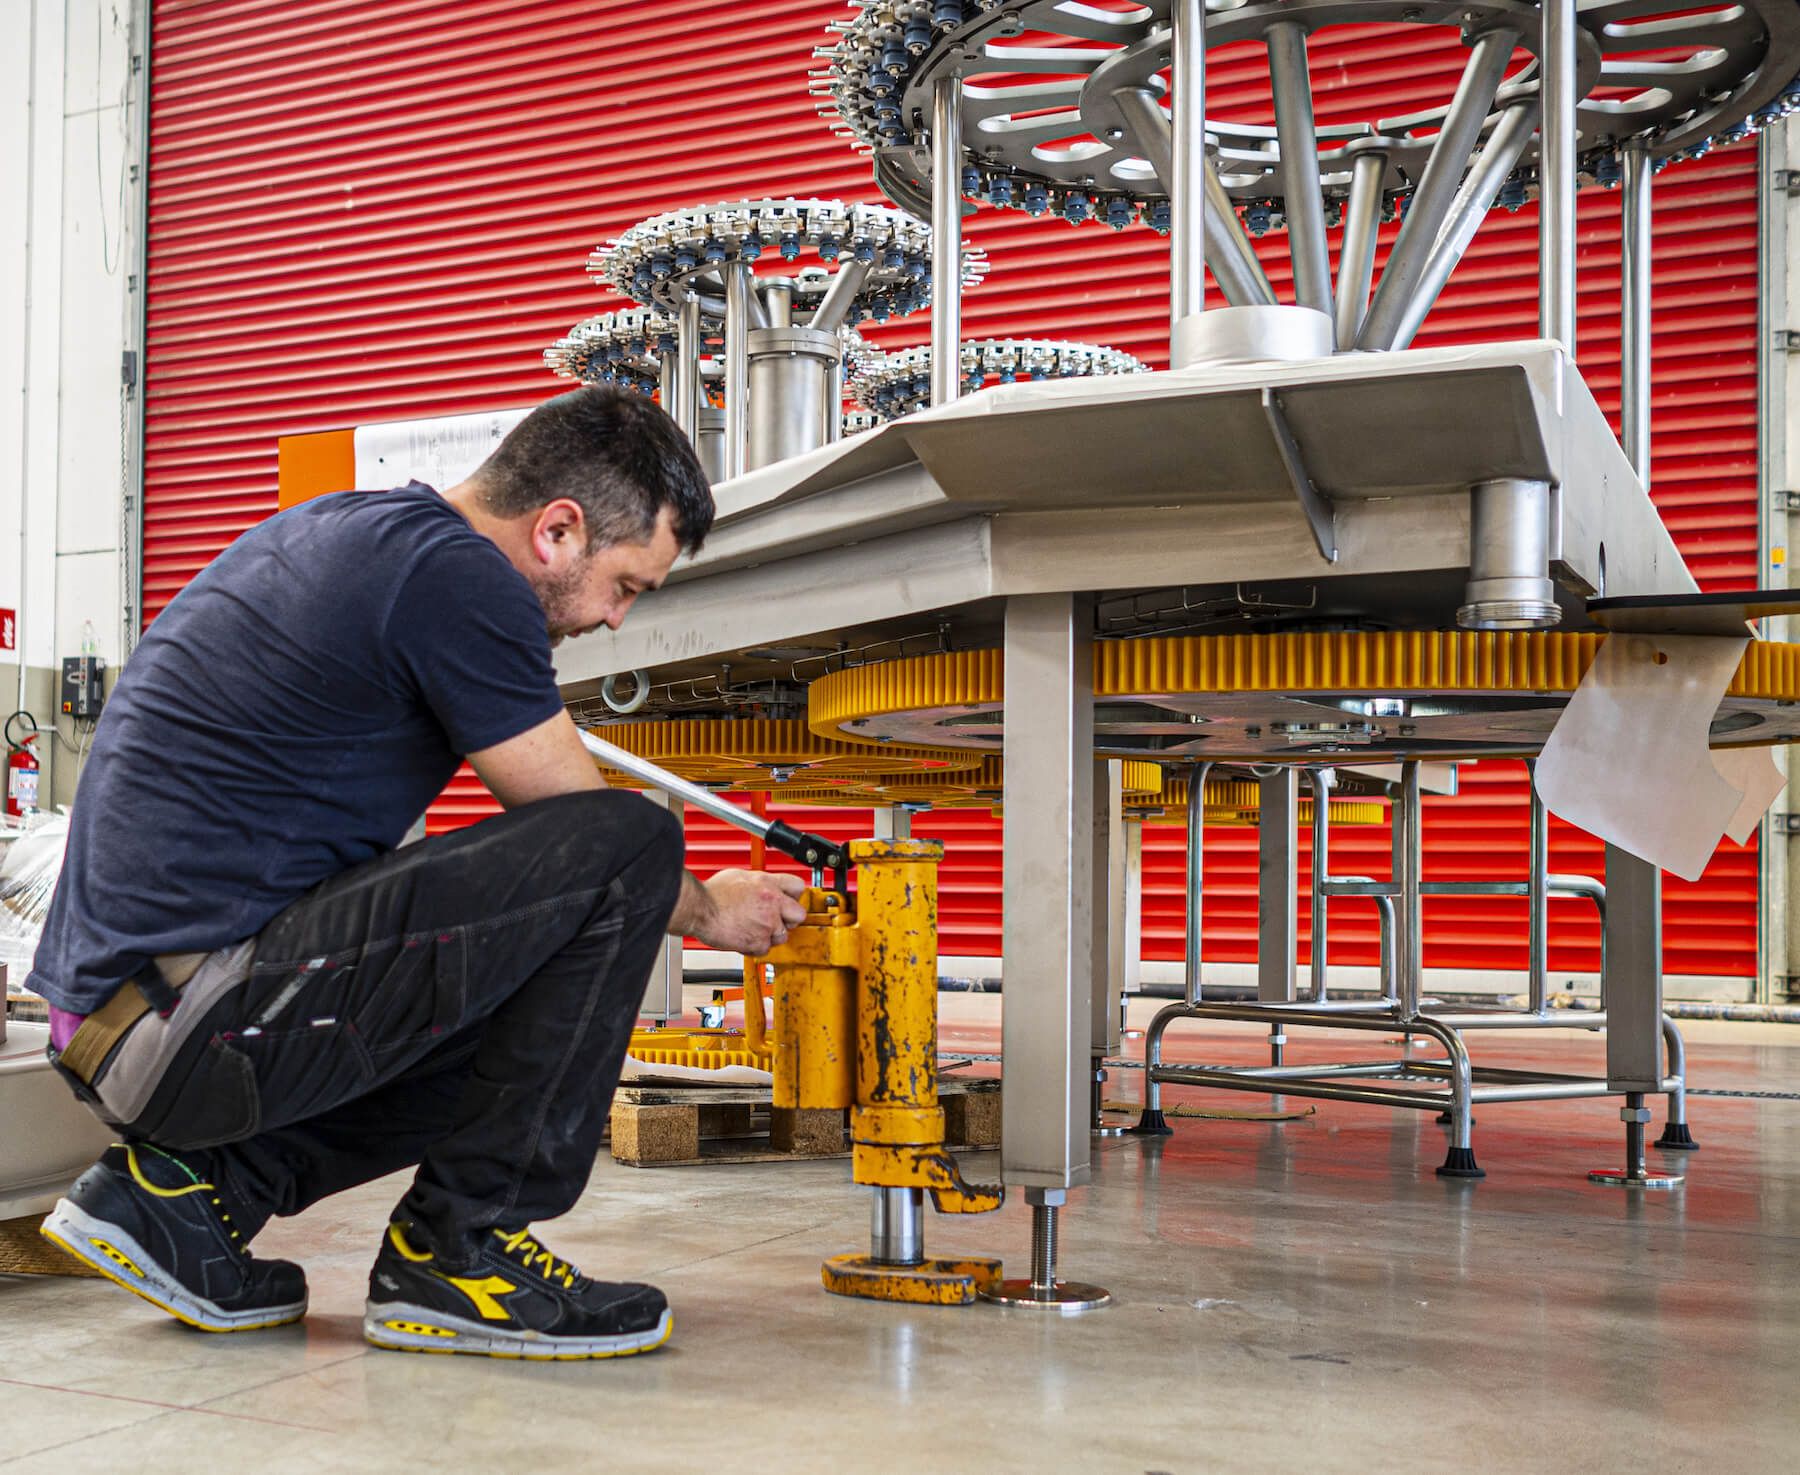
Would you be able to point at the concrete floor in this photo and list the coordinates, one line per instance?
(1302, 1295)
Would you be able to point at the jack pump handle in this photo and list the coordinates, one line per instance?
(813, 851)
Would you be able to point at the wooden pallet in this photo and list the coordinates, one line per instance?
(23, 1251)
(684, 1126)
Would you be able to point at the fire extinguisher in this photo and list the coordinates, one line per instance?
(21, 768)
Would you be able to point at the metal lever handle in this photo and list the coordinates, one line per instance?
(810, 850)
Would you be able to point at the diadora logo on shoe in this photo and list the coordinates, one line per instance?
(485, 1294)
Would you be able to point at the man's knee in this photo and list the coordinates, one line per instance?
(622, 822)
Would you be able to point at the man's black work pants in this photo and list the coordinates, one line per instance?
(463, 1004)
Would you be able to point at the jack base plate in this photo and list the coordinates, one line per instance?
(929, 1283)
(1618, 1178)
(1066, 1297)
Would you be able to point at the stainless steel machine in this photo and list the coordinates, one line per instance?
(1305, 548)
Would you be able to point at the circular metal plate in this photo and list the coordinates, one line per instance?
(1068, 1298)
(1613, 1178)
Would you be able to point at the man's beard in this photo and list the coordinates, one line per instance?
(557, 594)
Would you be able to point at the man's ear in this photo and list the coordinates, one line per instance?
(559, 533)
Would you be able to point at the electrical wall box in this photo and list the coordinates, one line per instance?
(82, 680)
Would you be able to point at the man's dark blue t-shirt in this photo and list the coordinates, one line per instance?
(289, 715)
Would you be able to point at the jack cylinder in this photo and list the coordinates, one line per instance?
(896, 1033)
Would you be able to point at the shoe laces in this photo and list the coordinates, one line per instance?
(533, 1256)
(195, 1184)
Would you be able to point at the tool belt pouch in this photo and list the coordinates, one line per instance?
(84, 1061)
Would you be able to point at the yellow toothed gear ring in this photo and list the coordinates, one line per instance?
(1291, 697)
(751, 752)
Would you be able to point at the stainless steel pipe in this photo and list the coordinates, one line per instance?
(791, 378)
(946, 240)
(1556, 173)
(1509, 584)
(1356, 258)
(738, 325)
(1187, 186)
(1291, 84)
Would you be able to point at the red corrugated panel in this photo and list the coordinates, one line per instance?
(370, 209)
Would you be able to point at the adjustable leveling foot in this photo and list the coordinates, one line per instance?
(1044, 1290)
(1636, 1175)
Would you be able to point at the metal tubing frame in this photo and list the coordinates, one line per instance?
(1465, 1088)
(1556, 173)
(1291, 84)
(946, 239)
(1187, 188)
(1431, 201)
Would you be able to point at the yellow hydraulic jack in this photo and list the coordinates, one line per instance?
(855, 1025)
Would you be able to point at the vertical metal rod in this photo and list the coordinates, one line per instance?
(1408, 861)
(665, 381)
(1537, 894)
(1356, 258)
(833, 428)
(1321, 852)
(1634, 337)
(1556, 174)
(1299, 139)
(737, 369)
(946, 240)
(1187, 187)
(1196, 880)
(1635, 1165)
(1467, 211)
(1430, 202)
(687, 367)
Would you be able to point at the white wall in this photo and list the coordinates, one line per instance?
(68, 253)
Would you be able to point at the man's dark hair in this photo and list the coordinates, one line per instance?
(612, 451)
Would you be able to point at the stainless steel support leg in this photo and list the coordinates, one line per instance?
(1321, 781)
(1675, 1134)
(1048, 891)
(1633, 979)
(1277, 888)
(1152, 1123)
(1636, 1174)
(1044, 1291)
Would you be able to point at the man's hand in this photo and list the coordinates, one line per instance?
(745, 912)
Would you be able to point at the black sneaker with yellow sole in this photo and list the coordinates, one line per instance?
(145, 1219)
(514, 1299)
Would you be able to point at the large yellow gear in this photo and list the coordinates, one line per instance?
(763, 752)
(1290, 697)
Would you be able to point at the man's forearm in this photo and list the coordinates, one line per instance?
(694, 909)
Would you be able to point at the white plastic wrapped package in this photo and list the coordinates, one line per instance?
(27, 882)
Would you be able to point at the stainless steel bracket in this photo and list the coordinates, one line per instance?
(1321, 515)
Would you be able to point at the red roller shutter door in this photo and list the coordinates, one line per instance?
(372, 209)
